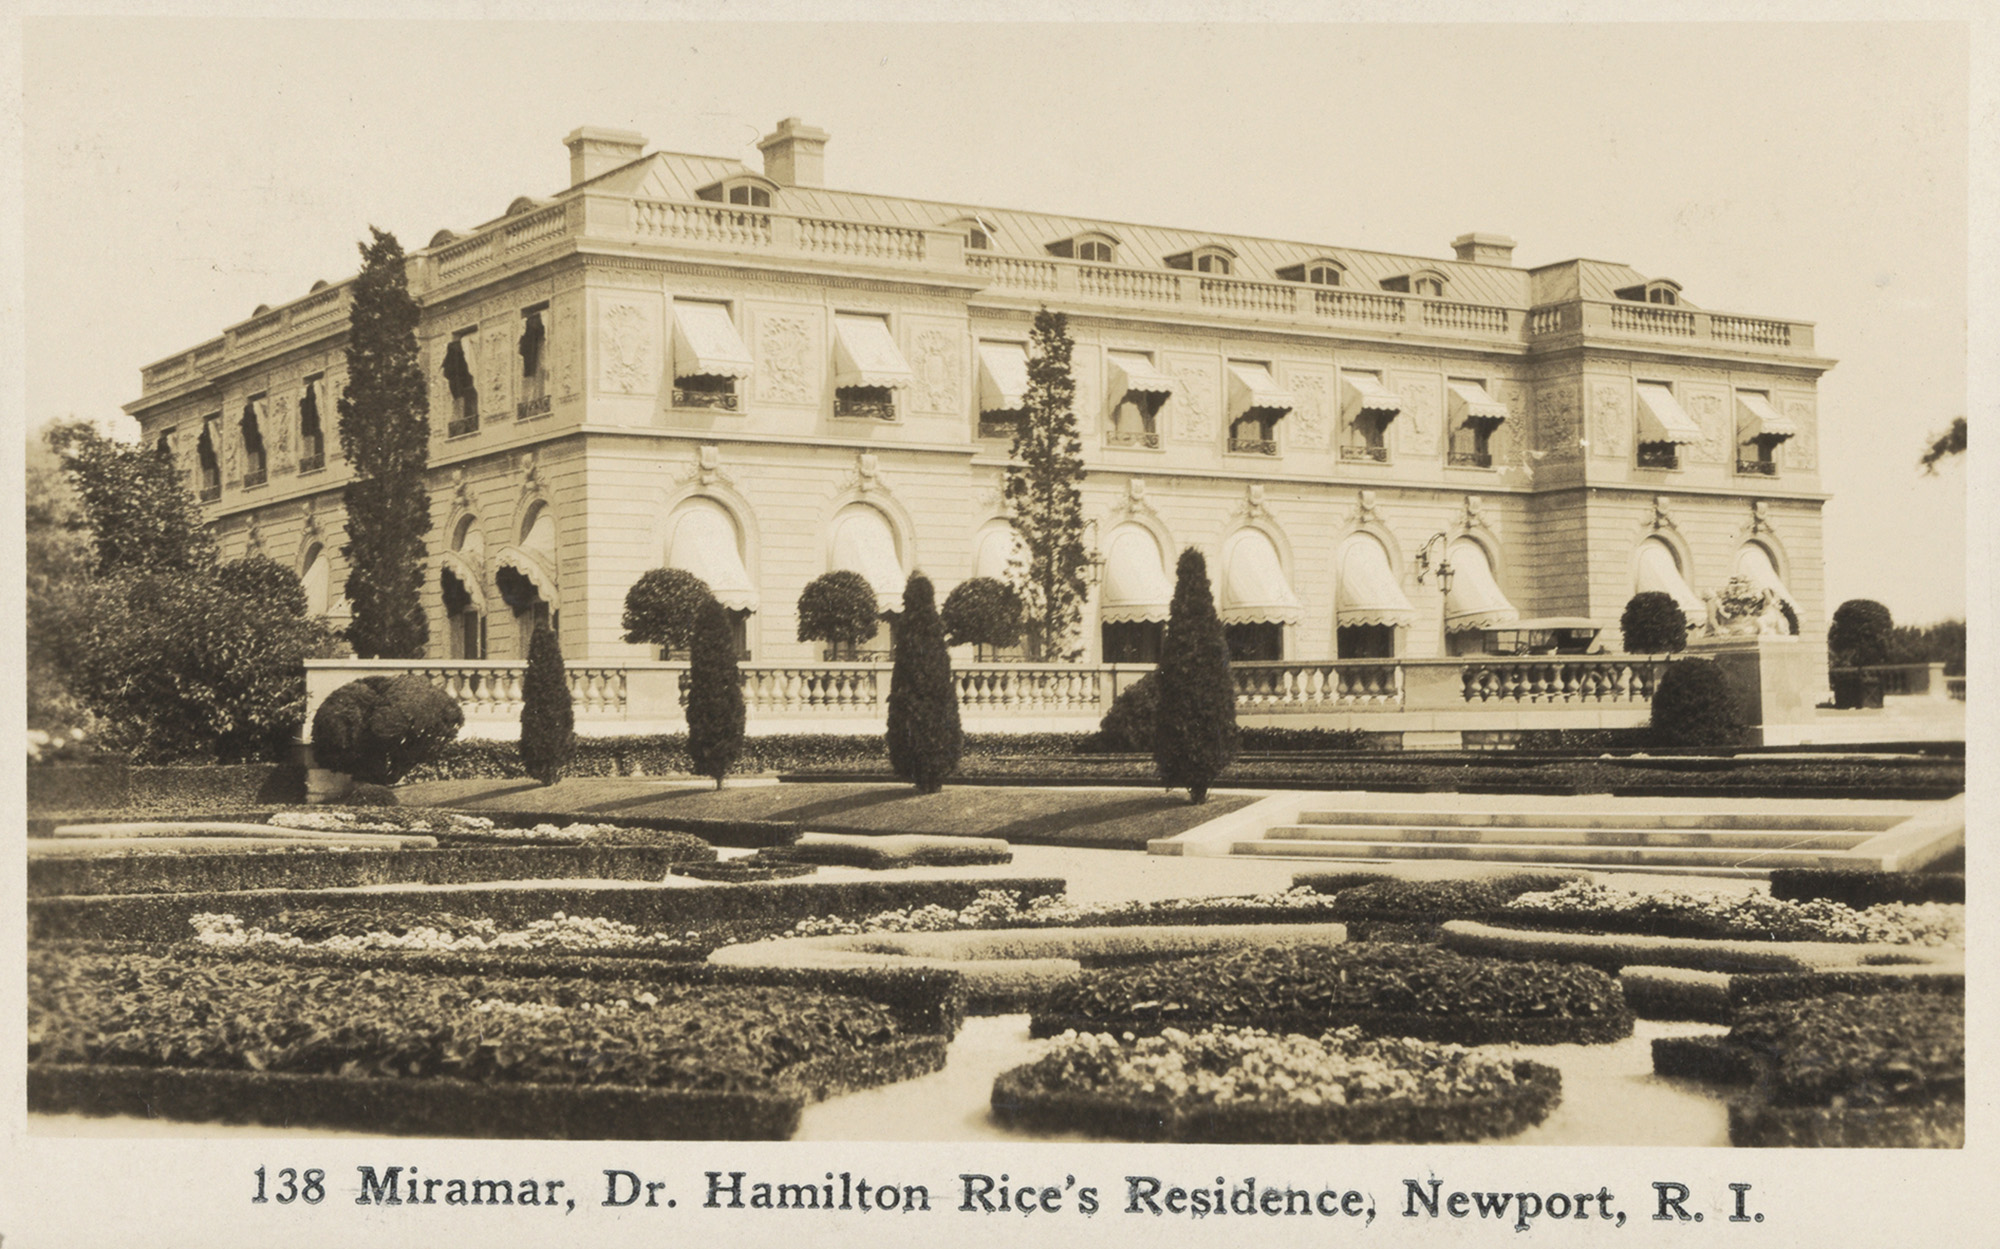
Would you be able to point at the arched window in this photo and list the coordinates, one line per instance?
(1323, 271)
(1094, 246)
(1421, 282)
(1208, 258)
(747, 190)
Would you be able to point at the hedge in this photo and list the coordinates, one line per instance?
(309, 868)
(111, 787)
(164, 917)
(892, 851)
(1717, 997)
(1361, 896)
(1937, 1125)
(743, 871)
(1677, 993)
(666, 754)
(1862, 889)
(1611, 953)
(1018, 1104)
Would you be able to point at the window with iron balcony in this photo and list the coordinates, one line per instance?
(312, 435)
(1758, 458)
(701, 391)
(1369, 439)
(868, 403)
(533, 349)
(255, 466)
(1135, 422)
(464, 394)
(1659, 455)
(205, 457)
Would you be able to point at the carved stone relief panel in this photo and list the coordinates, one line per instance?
(1710, 410)
(1557, 424)
(1610, 419)
(937, 361)
(1420, 422)
(1197, 398)
(278, 430)
(566, 340)
(1312, 420)
(331, 392)
(628, 345)
(1086, 366)
(438, 390)
(790, 363)
(496, 372)
(1801, 450)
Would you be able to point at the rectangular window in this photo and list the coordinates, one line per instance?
(710, 361)
(208, 463)
(533, 349)
(1367, 406)
(1138, 392)
(312, 434)
(255, 467)
(1664, 428)
(1256, 405)
(1474, 415)
(464, 393)
(868, 368)
(1759, 429)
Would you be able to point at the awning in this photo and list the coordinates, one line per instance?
(318, 584)
(706, 343)
(704, 543)
(455, 563)
(1364, 393)
(1253, 389)
(1471, 405)
(1131, 372)
(1254, 589)
(1661, 418)
(865, 355)
(863, 543)
(1135, 579)
(1368, 593)
(997, 549)
(532, 568)
(1474, 600)
(1660, 572)
(1003, 377)
(1756, 418)
(1753, 564)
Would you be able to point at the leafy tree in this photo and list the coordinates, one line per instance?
(548, 719)
(1128, 728)
(982, 612)
(58, 558)
(1695, 705)
(140, 514)
(838, 608)
(1859, 634)
(1943, 642)
(1653, 624)
(1043, 486)
(715, 695)
(385, 435)
(664, 606)
(1195, 739)
(260, 577)
(378, 728)
(924, 736)
(1946, 445)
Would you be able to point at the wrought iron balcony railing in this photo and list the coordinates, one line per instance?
(1471, 459)
(685, 397)
(1758, 468)
(1150, 439)
(1379, 455)
(1253, 446)
(538, 406)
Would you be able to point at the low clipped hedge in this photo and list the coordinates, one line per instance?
(1385, 989)
(1614, 952)
(1677, 993)
(116, 787)
(743, 871)
(308, 867)
(1020, 1102)
(164, 917)
(666, 754)
(1366, 896)
(892, 851)
(1862, 889)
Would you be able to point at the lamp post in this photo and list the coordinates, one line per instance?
(1443, 571)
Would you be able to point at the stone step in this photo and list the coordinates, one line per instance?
(1761, 839)
(1750, 820)
(1734, 859)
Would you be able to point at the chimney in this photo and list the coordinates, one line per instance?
(1484, 249)
(595, 149)
(795, 154)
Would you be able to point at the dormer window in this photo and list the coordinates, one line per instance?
(1422, 282)
(1094, 246)
(1317, 272)
(1208, 259)
(977, 231)
(748, 191)
(1663, 291)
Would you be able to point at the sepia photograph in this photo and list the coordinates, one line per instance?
(1024, 589)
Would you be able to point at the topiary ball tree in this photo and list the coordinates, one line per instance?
(664, 606)
(838, 608)
(1653, 624)
(982, 612)
(715, 695)
(1859, 634)
(924, 738)
(1195, 740)
(1696, 705)
(1128, 727)
(378, 728)
(548, 719)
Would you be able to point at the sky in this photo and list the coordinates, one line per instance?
(178, 172)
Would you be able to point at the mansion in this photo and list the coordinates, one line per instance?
(679, 360)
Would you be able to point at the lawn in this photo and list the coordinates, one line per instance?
(1121, 819)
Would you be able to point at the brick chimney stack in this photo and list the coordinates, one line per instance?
(795, 154)
(595, 149)
(1484, 249)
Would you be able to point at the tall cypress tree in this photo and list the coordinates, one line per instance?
(385, 435)
(924, 735)
(1043, 486)
(548, 717)
(1195, 739)
(715, 694)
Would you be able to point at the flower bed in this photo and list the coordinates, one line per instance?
(1863, 888)
(1000, 908)
(1753, 916)
(1390, 990)
(1372, 896)
(743, 871)
(508, 828)
(444, 931)
(1615, 951)
(1244, 1085)
(1880, 1070)
(237, 1038)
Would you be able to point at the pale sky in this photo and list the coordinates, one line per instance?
(180, 172)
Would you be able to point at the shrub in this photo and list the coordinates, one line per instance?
(548, 719)
(1860, 888)
(1859, 634)
(924, 737)
(378, 728)
(266, 581)
(1196, 736)
(838, 608)
(362, 794)
(715, 696)
(982, 612)
(1695, 705)
(1653, 624)
(663, 608)
(1128, 728)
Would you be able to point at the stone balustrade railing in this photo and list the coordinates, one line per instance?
(1620, 319)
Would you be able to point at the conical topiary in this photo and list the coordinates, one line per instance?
(924, 735)
(548, 720)
(1195, 739)
(715, 695)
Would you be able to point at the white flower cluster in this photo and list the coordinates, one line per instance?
(549, 832)
(41, 743)
(1249, 1065)
(1759, 914)
(357, 822)
(998, 908)
(560, 932)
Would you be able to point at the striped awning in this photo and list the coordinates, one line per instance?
(1136, 586)
(1475, 600)
(1756, 418)
(866, 355)
(1471, 405)
(1661, 418)
(1253, 389)
(533, 568)
(1660, 572)
(706, 343)
(1130, 372)
(863, 543)
(1003, 377)
(455, 564)
(1254, 589)
(1368, 593)
(1364, 393)
(704, 542)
